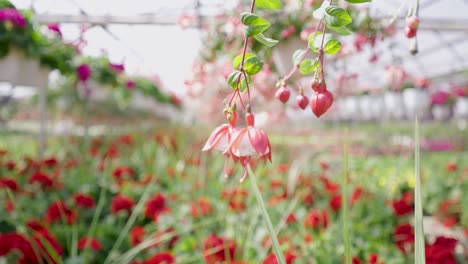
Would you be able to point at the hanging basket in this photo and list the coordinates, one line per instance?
(461, 108)
(441, 112)
(17, 69)
(394, 105)
(417, 102)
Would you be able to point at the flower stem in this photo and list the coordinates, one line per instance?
(344, 195)
(266, 217)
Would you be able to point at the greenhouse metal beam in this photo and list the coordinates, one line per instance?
(429, 24)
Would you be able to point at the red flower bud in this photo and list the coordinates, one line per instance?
(410, 32)
(412, 22)
(321, 102)
(283, 94)
(302, 101)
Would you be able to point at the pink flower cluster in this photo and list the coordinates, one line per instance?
(240, 144)
(13, 16)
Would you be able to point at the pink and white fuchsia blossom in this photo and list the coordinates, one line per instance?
(241, 145)
(221, 137)
(248, 143)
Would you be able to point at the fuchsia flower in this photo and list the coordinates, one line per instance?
(84, 72)
(119, 68)
(13, 16)
(247, 143)
(55, 28)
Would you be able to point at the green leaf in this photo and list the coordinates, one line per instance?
(266, 218)
(269, 42)
(254, 24)
(332, 46)
(344, 31)
(318, 40)
(336, 16)
(358, 1)
(233, 79)
(269, 4)
(308, 66)
(253, 65)
(238, 59)
(297, 55)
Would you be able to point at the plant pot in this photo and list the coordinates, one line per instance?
(460, 109)
(282, 54)
(365, 107)
(351, 108)
(17, 69)
(394, 105)
(377, 107)
(417, 103)
(441, 112)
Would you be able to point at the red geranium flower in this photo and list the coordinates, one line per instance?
(155, 206)
(9, 183)
(441, 251)
(356, 194)
(271, 258)
(373, 259)
(84, 200)
(136, 235)
(123, 172)
(50, 162)
(161, 258)
(236, 199)
(335, 202)
(330, 186)
(356, 260)
(89, 242)
(404, 205)
(404, 237)
(43, 179)
(121, 203)
(15, 241)
(201, 208)
(59, 211)
(316, 219)
(218, 249)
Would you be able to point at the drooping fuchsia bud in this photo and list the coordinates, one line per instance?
(410, 32)
(302, 101)
(283, 94)
(318, 86)
(412, 22)
(321, 102)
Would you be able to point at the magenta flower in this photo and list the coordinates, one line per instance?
(12, 15)
(440, 98)
(130, 84)
(119, 68)
(55, 28)
(84, 72)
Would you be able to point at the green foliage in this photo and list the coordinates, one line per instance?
(253, 24)
(358, 1)
(308, 66)
(269, 42)
(269, 4)
(336, 16)
(332, 46)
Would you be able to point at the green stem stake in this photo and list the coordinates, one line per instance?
(420, 256)
(344, 197)
(266, 217)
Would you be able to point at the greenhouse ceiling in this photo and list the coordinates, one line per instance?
(124, 27)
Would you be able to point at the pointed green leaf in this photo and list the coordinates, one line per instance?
(344, 31)
(233, 79)
(308, 66)
(332, 46)
(269, 42)
(238, 59)
(269, 4)
(297, 56)
(253, 65)
(358, 1)
(337, 16)
(253, 24)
